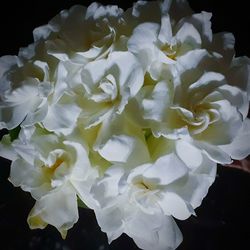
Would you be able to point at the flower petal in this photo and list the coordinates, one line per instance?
(239, 148)
(144, 35)
(166, 169)
(239, 74)
(166, 236)
(173, 204)
(188, 153)
(165, 34)
(189, 34)
(57, 208)
(214, 153)
(62, 116)
(6, 149)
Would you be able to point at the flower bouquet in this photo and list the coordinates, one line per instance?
(127, 113)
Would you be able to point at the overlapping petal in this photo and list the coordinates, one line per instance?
(130, 112)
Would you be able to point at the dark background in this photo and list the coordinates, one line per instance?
(223, 220)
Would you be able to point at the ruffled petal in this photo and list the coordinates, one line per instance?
(239, 148)
(166, 170)
(57, 208)
(146, 236)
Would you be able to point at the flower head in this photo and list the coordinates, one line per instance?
(55, 171)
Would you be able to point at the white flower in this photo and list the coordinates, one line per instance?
(127, 111)
(163, 41)
(33, 92)
(56, 171)
(25, 88)
(109, 84)
(140, 202)
(197, 106)
(84, 34)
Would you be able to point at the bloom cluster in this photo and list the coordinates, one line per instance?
(128, 112)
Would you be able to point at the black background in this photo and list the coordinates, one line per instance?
(223, 220)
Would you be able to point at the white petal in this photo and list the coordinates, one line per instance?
(196, 186)
(188, 34)
(98, 117)
(118, 143)
(83, 175)
(146, 236)
(144, 35)
(28, 178)
(225, 129)
(130, 76)
(236, 97)
(240, 146)
(173, 204)
(166, 170)
(42, 32)
(215, 153)
(93, 72)
(191, 59)
(96, 10)
(24, 149)
(188, 153)
(6, 149)
(6, 62)
(239, 74)
(17, 103)
(106, 190)
(207, 80)
(37, 116)
(117, 148)
(113, 227)
(202, 23)
(62, 116)
(155, 107)
(57, 208)
(165, 34)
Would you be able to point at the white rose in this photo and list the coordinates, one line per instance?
(140, 202)
(55, 170)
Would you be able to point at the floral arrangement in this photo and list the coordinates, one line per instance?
(127, 113)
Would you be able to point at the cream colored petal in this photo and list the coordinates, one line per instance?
(57, 208)
(166, 170)
(239, 148)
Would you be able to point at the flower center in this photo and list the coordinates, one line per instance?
(142, 185)
(50, 170)
(170, 50)
(106, 91)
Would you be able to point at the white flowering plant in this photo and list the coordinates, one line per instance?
(126, 113)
